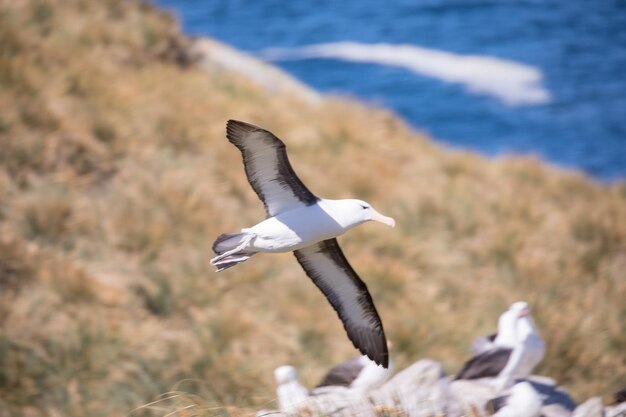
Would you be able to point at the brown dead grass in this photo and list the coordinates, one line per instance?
(115, 177)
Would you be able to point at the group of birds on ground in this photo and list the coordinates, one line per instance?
(502, 360)
(300, 222)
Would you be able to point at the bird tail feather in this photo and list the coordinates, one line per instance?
(231, 261)
(227, 241)
(230, 249)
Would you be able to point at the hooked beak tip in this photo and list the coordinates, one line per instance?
(389, 221)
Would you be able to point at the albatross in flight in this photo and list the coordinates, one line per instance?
(299, 221)
(517, 349)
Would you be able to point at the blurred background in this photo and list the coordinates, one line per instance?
(116, 177)
(571, 111)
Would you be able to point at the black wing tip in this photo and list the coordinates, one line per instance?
(238, 124)
(236, 130)
(381, 359)
(376, 351)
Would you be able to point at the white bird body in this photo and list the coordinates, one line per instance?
(372, 375)
(300, 222)
(515, 352)
(506, 329)
(290, 392)
(528, 350)
(299, 227)
(535, 348)
(523, 401)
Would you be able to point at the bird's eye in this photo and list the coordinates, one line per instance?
(364, 207)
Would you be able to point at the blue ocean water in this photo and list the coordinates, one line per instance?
(577, 47)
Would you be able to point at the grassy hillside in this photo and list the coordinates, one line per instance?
(115, 177)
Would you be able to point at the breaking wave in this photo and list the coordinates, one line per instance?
(511, 82)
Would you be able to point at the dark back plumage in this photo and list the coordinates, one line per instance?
(487, 364)
(620, 396)
(343, 374)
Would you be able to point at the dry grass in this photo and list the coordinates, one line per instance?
(115, 177)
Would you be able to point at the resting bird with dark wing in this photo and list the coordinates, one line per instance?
(520, 349)
(290, 392)
(359, 374)
(299, 221)
(522, 401)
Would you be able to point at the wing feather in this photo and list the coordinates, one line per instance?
(487, 364)
(343, 374)
(268, 169)
(326, 265)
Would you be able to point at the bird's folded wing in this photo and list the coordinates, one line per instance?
(487, 364)
(343, 374)
(268, 169)
(326, 265)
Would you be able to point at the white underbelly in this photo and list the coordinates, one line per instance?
(534, 351)
(293, 230)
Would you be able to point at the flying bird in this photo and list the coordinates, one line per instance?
(299, 221)
(514, 356)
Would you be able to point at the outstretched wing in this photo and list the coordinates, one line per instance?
(487, 364)
(326, 265)
(268, 169)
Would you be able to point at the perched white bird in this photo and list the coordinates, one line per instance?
(359, 374)
(505, 336)
(522, 401)
(518, 348)
(299, 221)
(291, 393)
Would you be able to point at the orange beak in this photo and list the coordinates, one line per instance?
(377, 217)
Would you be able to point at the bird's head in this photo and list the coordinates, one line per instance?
(352, 212)
(284, 374)
(520, 309)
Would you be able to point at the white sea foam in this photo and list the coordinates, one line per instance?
(511, 82)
